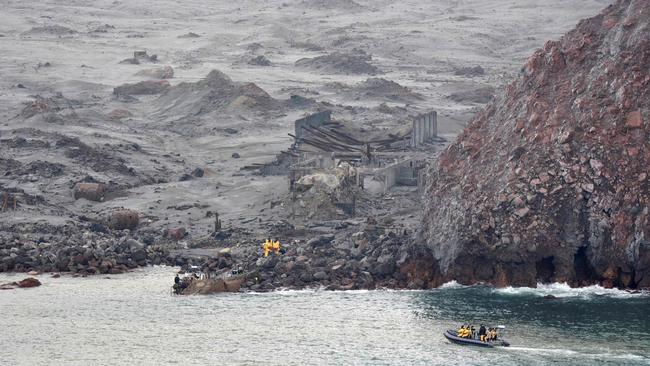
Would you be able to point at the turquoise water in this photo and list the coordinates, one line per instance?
(133, 319)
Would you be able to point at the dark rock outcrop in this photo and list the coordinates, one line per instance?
(550, 181)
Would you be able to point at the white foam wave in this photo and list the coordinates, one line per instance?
(573, 353)
(452, 284)
(563, 290)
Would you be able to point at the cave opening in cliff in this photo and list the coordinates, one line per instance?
(584, 272)
(545, 270)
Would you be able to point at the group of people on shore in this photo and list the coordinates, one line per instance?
(484, 334)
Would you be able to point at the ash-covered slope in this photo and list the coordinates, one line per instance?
(551, 181)
(216, 93)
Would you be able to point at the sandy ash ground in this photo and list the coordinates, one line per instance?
(61, 61)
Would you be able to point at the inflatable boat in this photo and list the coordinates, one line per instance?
(454, 338)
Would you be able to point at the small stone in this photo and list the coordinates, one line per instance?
(634, 120)
(235, 156)
(588, 187)
(198, 172)
(596, 165)
(518, 202)
(522, 212)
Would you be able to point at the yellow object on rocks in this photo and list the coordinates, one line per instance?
(270, 245)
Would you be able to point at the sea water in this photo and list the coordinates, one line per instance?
(133, 319)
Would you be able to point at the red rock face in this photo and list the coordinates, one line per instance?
(549, 182)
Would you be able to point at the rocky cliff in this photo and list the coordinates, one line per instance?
(550, 182)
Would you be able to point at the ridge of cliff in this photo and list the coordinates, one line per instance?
(549, 183)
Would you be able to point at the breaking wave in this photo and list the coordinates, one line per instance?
(581, 355)
(451, 284)
(563, 290)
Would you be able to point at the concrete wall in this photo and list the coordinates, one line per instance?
(425, 127)
(317, 119)
(403, 173)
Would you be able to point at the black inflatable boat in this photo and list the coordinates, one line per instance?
(453, 337)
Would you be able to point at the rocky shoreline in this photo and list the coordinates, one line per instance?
(344, 260)
(352, 258)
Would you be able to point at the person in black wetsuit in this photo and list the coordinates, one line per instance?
(177, 285)
(482, 332)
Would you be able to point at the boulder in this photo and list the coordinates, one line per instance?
(320, 275)
(384, 266)
(198, 172)
(29, 282)
(209, 286)
(320, 240)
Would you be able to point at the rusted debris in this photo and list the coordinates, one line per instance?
(9, 201)
(124, 219)
(177, 233)
(217, 222)
(89, 191)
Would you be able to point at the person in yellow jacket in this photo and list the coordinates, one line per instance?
(270, 245)
(464, 331)
(461, 331)
(266, 247)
